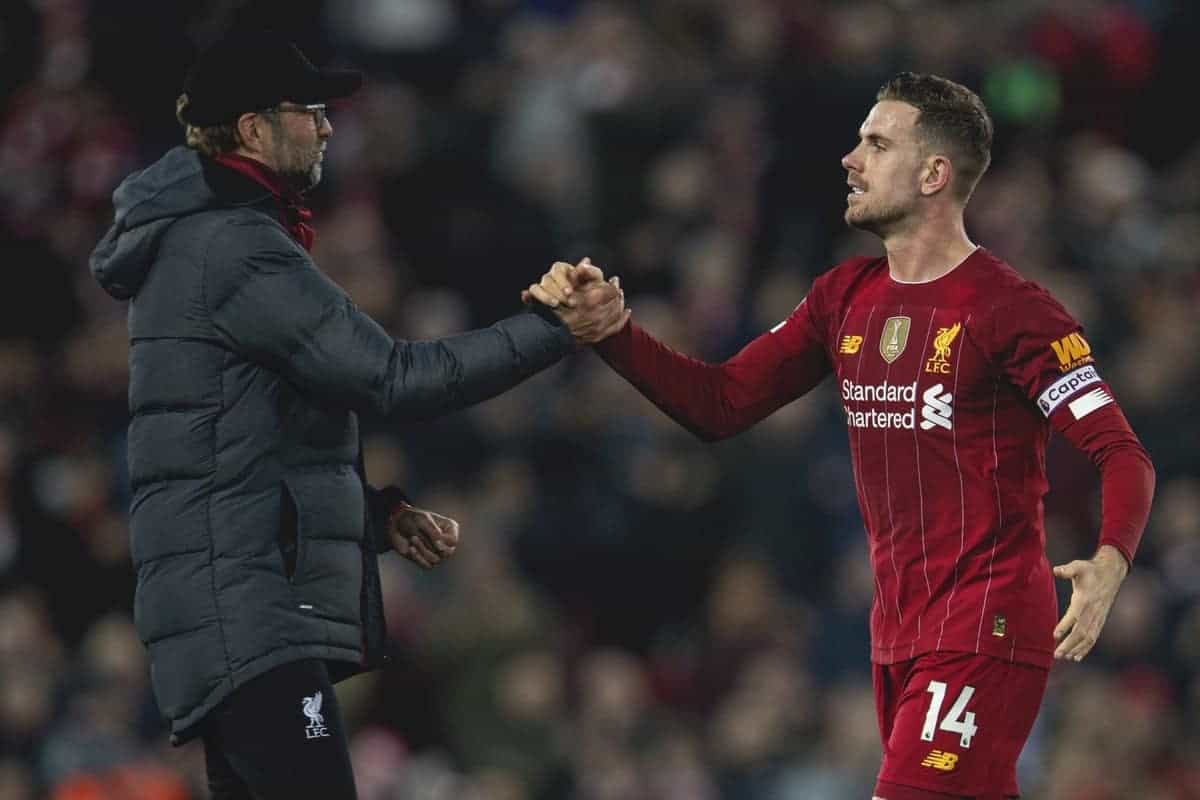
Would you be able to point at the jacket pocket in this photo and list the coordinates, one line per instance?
(327, 505)
(289, 531)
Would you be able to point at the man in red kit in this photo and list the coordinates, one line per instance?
(952, 370)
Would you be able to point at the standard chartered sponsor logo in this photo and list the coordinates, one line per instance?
(880, 393)
(936, 410)
(880, 419)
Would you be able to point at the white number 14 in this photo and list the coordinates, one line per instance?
(958, 719)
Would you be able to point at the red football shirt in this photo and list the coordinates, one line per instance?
(950, 388)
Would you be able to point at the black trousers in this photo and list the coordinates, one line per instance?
(280, 736)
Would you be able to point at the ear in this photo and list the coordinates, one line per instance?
(251, 129)
(936, 175)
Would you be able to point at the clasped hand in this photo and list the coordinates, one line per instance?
(591, 307)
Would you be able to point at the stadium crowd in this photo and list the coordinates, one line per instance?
(633, 614)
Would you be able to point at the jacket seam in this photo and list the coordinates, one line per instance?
(195, 339)
(204, 284)
(208, 499)
(328, 618)
(514, 352)
(149, 411)
(176, 634)
(142, 484)
(208, 495)
(176, 554)
(324, 466)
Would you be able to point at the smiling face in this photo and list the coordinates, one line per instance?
(884, 171)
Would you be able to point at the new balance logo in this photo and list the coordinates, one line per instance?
(937, 409)
(941, 760)
(316, 721)
(850, 345)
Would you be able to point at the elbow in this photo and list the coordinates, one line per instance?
(715, 427)
(713, 434)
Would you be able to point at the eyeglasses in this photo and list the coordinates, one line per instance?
(316, 111)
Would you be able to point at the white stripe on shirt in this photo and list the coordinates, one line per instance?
(856, 458)
(962, 499)
(999, 521)
(920, 480)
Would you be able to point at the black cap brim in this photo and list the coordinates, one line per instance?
(329, 84)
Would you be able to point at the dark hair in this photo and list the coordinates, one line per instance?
(952, 117)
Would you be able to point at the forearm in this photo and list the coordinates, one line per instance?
(1126, 477)
(1127, 488)
(713, 401)
(436, 377)
(685, 389)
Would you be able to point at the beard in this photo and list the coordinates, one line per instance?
(879, 221)
(301, 167)
(304, 175)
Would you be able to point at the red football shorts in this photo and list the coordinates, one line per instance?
(954, 724)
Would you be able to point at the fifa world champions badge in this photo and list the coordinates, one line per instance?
(894, 337)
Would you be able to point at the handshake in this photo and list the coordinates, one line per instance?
(591, 307)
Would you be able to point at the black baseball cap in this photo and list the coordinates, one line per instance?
(255, 71)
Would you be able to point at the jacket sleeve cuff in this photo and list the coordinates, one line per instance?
(384, 502)
(547, 313)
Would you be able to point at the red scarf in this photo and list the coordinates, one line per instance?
(292, 211)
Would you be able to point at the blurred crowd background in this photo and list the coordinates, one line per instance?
(633, 615)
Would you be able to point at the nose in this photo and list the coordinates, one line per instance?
(848, 163)
(326, 129)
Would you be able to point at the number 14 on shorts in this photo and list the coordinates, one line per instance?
(957, 720)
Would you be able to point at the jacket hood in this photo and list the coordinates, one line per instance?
(145, 205)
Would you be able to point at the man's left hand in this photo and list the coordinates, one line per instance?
(423, 537)
(1094, 587)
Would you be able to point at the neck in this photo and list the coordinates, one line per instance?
(245, 155)
(927, 252)
(255, 167)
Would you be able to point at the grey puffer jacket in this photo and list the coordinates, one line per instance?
(250, 515)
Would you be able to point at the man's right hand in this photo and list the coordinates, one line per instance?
(592, 309)
(423, 537)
